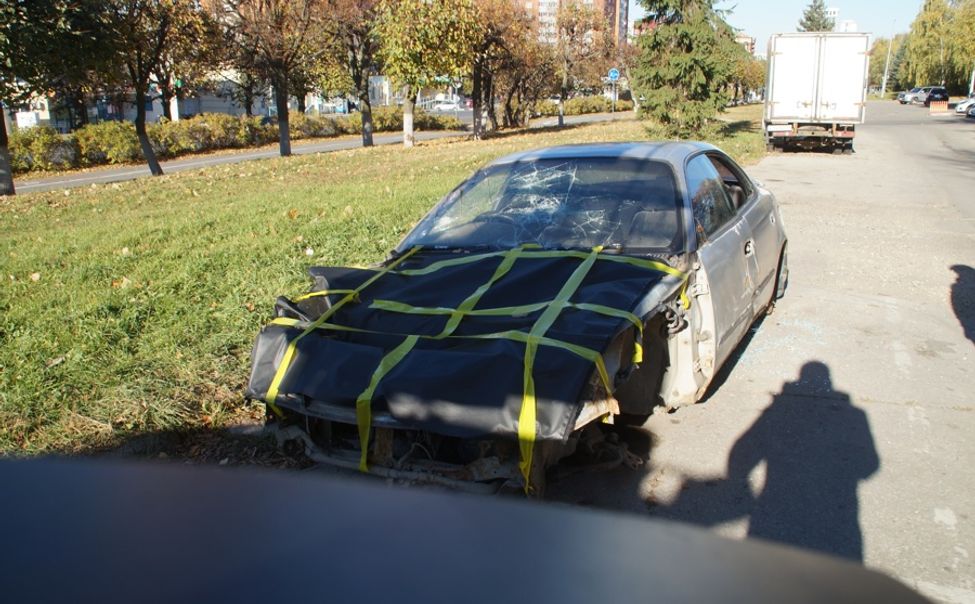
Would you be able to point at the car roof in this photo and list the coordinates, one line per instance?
(671, 152)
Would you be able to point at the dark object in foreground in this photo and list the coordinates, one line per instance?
(94, 531)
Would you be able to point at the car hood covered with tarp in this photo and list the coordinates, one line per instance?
(465, 345)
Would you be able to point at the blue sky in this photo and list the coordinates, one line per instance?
(762, 19)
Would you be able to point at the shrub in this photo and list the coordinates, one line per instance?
(427, 121)
(310, 126)
(42, 148)
(582, 105)
(107, 142)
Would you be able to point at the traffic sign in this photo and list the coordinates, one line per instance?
(614, 74)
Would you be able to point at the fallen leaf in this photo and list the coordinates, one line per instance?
(309, 251)
(249, 306)
(293, 213)
(121, 283)
(55, 362)
(35, 276)
(126, 252)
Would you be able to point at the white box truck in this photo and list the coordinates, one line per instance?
(816, 89)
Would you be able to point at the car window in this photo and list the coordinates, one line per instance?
(736, 185)
(712, 208)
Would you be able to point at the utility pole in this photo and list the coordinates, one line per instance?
(890, 45)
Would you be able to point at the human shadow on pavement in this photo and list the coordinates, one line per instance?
(963, 298)
(816, 447)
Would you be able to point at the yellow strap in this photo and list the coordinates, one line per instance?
(289, 352)
(471, 301)
(518, 336)
(518, 311)
(363, 404)
(326, 292)
(622, 314)
(526, 418)
(532, 254)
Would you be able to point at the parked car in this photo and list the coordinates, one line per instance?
(552, 291)
(964, 105)
(906, 96)
(447, 106)
(971, 111)
(935, 94)
(917, 95)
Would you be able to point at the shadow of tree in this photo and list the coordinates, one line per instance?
(816, 447)
(963, 298)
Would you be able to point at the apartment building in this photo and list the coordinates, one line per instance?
(616, 13)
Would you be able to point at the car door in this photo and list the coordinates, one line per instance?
(758, 211)
(724, 241)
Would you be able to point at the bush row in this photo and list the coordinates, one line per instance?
(583, 104)
(43, 148)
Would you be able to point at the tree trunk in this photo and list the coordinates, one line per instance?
(408, 102)
(633, 96)
(510, 119)
(489, 99)
(301, 101)
(477, 93)
(140, 130)
(361, 81)
(6, 174)
(563, 91)
(281, 100)
(365, 109)
(248, 101)
(165, 97)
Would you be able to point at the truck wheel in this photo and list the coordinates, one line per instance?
(848, 149)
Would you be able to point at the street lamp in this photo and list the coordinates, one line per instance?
(890, 45)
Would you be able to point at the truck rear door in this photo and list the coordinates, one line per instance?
(842, 77)
(792, 62)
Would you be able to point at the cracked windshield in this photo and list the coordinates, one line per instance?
(618, 203)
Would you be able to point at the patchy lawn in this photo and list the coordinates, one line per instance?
(130, 308)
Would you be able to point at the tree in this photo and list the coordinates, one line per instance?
(499, 47)
(188, 61)
(686, 65)
(284, 37)
(355, 47)
(962, 42)
(422, 40)
(814, 18)
(145, 32)
(43, 43)
(526, 75)
(878, 58)
(928, 51)
(579, 42)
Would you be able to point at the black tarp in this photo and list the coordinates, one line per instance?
(456, 386)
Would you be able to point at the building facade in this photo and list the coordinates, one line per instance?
(616, 13)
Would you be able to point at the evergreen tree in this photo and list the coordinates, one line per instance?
(814, 18)
(686, 65)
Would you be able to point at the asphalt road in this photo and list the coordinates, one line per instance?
(106, 175)
(846, 424)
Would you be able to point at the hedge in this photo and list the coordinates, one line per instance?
(43, 148)
(583, 104)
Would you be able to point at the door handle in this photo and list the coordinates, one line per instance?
(749, 247)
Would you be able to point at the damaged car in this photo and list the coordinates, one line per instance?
(553, 292)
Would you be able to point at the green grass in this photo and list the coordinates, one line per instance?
(131, 308)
